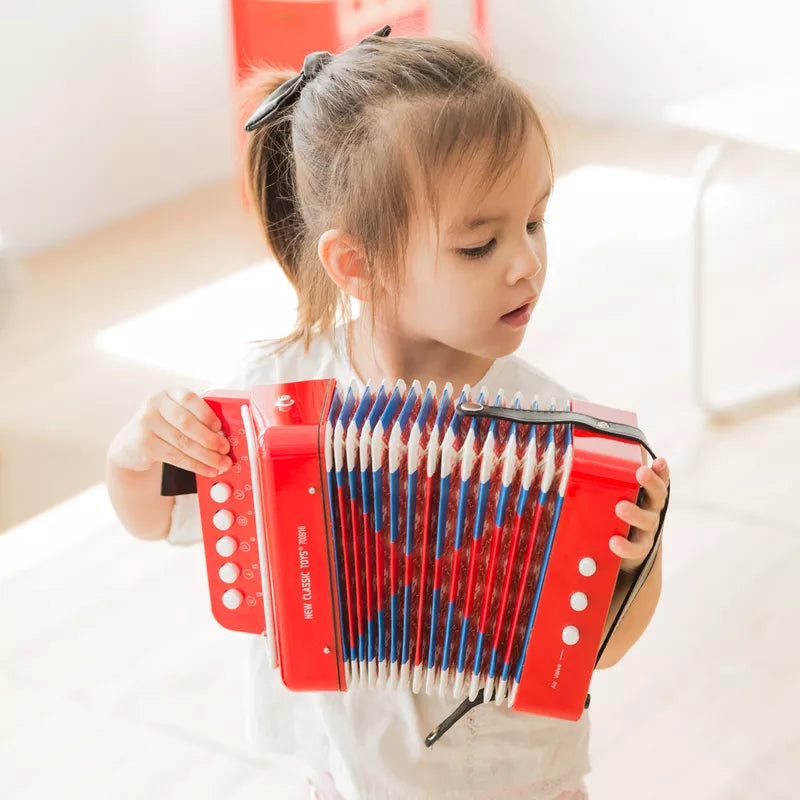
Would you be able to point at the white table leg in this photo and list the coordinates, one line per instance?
(753, 400)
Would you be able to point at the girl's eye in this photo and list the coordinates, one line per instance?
(485, 249)
(534, 226)
(478, 252)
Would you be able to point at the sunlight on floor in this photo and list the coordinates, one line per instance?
(193, 334)
(54, 530)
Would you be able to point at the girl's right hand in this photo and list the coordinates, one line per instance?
(174, 427)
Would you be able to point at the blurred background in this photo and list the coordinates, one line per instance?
(129, 264)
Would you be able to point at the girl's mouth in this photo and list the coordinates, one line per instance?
(519, 317)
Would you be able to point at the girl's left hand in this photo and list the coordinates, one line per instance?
(643, 518)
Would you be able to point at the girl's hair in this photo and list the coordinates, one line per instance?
(364, 146)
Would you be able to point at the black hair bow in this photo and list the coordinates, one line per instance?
(290, 90)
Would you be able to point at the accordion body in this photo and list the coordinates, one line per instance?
(396, 538)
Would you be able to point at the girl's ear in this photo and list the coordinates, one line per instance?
(344, 260)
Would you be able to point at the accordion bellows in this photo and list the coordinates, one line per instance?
(449, 483)
(386, 539)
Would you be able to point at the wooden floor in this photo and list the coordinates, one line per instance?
(114, 680)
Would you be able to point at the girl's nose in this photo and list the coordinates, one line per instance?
(526, 265)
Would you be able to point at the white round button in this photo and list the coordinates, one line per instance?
(223, 519)
(578, 601)
(226, 546)
(228, 573)
(570, 635)
(232, 599)
(587, 566)
(220, 492)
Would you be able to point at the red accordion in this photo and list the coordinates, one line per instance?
(392, 537)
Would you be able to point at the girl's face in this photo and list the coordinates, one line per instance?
(490, 263)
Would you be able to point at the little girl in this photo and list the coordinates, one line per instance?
(408, 173)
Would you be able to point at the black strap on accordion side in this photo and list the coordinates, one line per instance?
(175, 481)
(605, 428)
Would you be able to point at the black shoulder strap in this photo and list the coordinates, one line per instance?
(614, 430)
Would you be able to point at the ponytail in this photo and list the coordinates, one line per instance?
(270, 183)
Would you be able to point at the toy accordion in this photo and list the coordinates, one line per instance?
(395, 538)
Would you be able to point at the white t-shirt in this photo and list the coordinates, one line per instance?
(371, 741)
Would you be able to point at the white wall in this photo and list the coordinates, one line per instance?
(107, 108)
(623, 59)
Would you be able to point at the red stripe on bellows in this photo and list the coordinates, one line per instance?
(409, 564)
(528, 558)
(512, 554)
(347, 580)
(472, 573)
(438, 571)
(490, 575)
(454, 576)
(424, 570)
(393, 568)
(379, 575)
(356, 565)
(368, 564)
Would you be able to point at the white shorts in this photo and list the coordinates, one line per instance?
(322, 787)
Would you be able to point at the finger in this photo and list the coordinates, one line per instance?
(662, 468)
(168, 454)
(654, 486)
(628, 548)
(180, 416)
(199, 407)
(195, 404)
(193, 450)
(637, 517)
